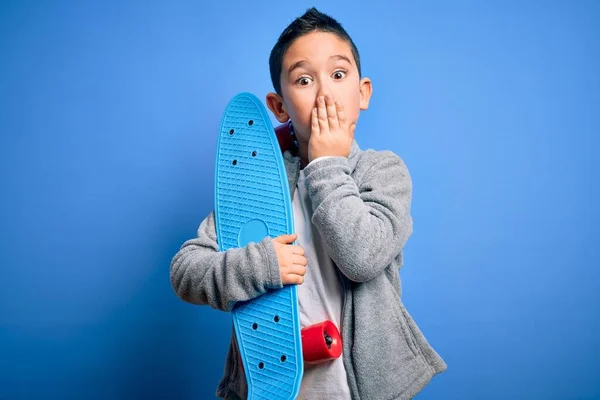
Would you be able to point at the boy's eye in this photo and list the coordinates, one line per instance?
(303, 81)
(339, 74)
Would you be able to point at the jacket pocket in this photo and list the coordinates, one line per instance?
(403, 327)
(385, 357)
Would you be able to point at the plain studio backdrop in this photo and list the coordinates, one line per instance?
(109, 114)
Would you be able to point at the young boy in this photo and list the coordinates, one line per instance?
(352, 218)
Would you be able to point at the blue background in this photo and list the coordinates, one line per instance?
(108, 118)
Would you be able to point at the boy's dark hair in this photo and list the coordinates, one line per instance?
(312, 20)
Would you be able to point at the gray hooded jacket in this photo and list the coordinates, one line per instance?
(362, 210)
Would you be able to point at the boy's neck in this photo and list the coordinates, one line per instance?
(303, 163)
(303, 154)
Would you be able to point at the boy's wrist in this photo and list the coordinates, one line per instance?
(314, 160)
(268, 250)
(324, 175)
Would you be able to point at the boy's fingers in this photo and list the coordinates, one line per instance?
(315, 123)
(332, 116)
(286, 238)
(296, 269)
(322, 116)
(290, 279)
(299, 260)
(297, 250)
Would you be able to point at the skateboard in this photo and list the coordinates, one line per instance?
(252, 201)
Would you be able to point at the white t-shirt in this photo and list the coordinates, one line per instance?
(320, 298)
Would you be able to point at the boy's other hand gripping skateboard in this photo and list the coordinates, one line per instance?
(292, 263)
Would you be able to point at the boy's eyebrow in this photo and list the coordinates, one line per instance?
(301, 63)
(340, 57)
(295, 65)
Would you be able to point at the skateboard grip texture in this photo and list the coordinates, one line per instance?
(252, 201)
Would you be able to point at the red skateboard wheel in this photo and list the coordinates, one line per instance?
(321, 342)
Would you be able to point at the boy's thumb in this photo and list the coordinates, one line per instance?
(286, 238)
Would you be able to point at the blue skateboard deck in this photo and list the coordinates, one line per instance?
(252, 201)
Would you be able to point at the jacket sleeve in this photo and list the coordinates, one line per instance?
(203, 275)
(364, 223)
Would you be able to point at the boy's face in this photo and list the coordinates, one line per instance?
(317, 64)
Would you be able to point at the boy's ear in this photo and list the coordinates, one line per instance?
(366, 89)
(275, 104)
